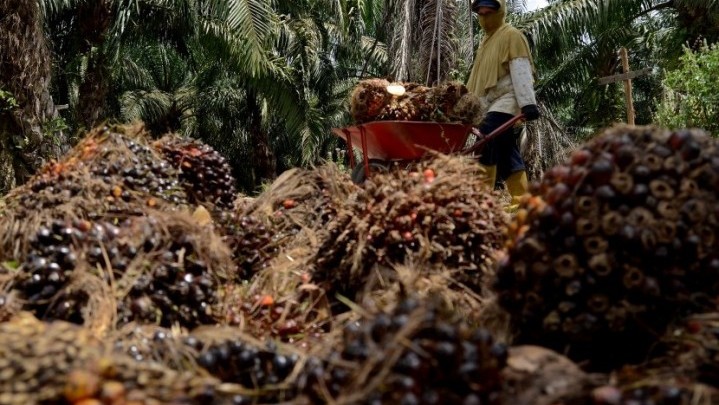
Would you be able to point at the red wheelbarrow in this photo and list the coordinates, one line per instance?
(384, 143)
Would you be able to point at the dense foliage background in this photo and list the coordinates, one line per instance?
(264, 81)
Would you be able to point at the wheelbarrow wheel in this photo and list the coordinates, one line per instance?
(375, 166)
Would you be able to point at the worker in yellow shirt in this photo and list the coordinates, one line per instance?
(503, 78)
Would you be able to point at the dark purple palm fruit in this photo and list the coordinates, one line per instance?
(205, 173)
(416, 353)
(614, 244)
(162, 269)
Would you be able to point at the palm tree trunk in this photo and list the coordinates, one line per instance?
(264, 166)
(25, 63)
(95, 19)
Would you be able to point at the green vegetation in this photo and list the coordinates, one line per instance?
(692, 92)
(264, 81)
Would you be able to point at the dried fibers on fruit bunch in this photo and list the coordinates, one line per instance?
(646, 386)
(296, 206)
(282, 301)
(692, 348)
(111, 173)
(161, 268)
(204, 173)
(442, 214)
(387, 285)
(418, 352)
(62, 363)
(539, 376)
(303, 198)
(615, 244)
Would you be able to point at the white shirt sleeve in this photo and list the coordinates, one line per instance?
(523, 81)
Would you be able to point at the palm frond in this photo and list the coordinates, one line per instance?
(437, 44)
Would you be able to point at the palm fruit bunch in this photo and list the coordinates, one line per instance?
(281, 302)
(454, 102)
(303, 198)
(645, 387)
(252, 241)
(118, 158)
(441, 213)
(261, 369)
(380, 100)
(614, 244)
(415, 353)
(126, 161)
(202, 170)
(60, 363)
(415, 104)
(368, 99)
(298, 200)
(111, 173)
(161, 268)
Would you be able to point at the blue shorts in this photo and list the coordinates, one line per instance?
(503, 150)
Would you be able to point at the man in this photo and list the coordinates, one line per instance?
(503, 78)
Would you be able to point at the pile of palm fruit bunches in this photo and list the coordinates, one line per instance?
(134, 273)
(380, 100)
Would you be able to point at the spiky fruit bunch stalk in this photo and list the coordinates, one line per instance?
(204, 172)
(442, 214)
(162, 269)
(413, 354)
(615, 243)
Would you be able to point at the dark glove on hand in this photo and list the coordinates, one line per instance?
(531, 112)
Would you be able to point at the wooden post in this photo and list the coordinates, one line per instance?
(628, 87)
(626, 77)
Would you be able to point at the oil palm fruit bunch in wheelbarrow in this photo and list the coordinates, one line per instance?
(380, 100)
(438, 213)
(615, 243)
(415, 353)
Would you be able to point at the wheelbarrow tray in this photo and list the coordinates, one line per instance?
(404, 140)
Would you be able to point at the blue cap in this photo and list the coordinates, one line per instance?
(485, 3)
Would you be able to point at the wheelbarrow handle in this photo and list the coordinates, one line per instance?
(480, 143)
